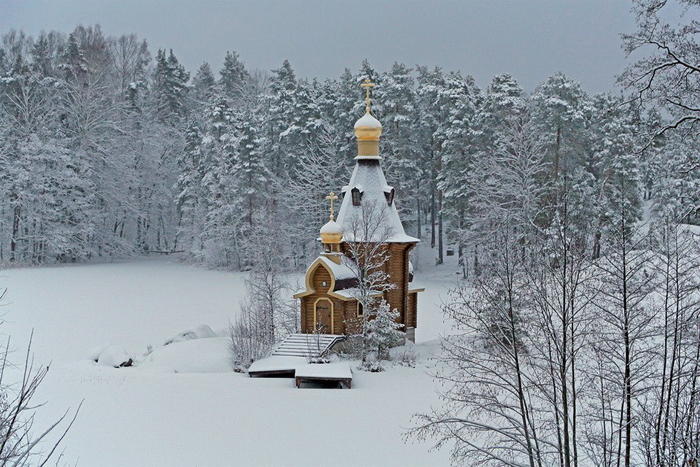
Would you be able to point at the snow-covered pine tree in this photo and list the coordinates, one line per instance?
(430, 120)
(170, 87)
(460, 99)
(399, 116)
(235, 79)
(613, 154)
(191, 197)
(561, 109)
(384, 332)
(203, 87)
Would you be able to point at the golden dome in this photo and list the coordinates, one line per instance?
(368, 128)
(331, 232)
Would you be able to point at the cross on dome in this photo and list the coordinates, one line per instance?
(332, 196)
(367, 85)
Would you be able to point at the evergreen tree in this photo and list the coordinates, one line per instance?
(170, 87)
(562, 109)
(399, 146)
(204, 90)
(430, 120)
(459, 143)
(234, 77)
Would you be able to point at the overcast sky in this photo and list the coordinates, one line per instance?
(531, 39)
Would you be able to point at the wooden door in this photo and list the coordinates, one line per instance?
(323, 316)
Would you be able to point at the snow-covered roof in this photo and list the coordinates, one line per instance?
(339, 271)
(369, 178)
(354, 292)
(331, 227)
(368, 121)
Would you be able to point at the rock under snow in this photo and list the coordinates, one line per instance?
(115, 356)
(200, 332)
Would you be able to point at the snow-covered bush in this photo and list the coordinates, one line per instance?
(405, 357)
(246, 344)
(371, 363)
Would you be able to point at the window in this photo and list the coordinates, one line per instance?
(360, 309)
(389, 195)
(356, 196)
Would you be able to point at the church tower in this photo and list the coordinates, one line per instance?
(367, 218)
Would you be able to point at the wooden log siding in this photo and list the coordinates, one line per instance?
(397, 269)
(411, 321)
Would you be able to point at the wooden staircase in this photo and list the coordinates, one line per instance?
(306, 345)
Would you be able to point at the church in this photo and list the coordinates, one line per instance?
(367, 221)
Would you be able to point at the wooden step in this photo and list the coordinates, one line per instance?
(306, 345)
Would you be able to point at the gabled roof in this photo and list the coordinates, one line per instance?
(342, 278)
(369, 179)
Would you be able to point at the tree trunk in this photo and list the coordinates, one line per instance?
(15, 233)
(440, 235)
(432, 216)
(555, 168)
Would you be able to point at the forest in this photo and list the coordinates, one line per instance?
(108, 151)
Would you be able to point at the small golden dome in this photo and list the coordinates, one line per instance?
(368, 128)
(331, 232)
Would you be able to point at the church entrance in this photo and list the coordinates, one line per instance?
(323, 316)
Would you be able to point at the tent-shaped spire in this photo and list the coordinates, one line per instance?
(369, 208)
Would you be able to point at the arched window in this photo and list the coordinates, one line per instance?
(360, 309)
(356, 196)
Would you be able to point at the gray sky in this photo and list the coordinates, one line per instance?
(531, 39)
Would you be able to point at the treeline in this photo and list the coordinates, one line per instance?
(107, 151)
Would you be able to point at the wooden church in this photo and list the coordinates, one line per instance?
(329, 303)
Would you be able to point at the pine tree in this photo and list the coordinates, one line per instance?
(204, 90)
(384, 332)
(399, 146)
(460, 101)
(170, 87)
(73, 62)
(234, 77)
(430, 120)
(191, 199)
(613, 164)
(561, 109)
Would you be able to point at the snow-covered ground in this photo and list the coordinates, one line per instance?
(182, 405)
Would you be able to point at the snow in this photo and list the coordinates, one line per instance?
(182, 405)
(339, 271)
(114, 356)
(335, 370)
(367, 121)
(200, 332)
(208, 355)
(354, 292)
(368, 177)
(278, 363)
(331, 227)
